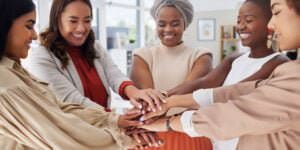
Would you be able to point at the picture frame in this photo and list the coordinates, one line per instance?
(206, 29)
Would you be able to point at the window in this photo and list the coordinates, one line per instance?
(121, 27)
(125, 2)
(148, 3)
(150, 31)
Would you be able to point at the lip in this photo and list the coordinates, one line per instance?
(168, 36)
(244, 36)
(78, 36)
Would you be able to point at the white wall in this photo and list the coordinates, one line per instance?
(223, 17)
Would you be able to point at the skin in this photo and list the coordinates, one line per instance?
(75, 23)
(252, 28)
(286, 30)
(169, 28)
(17, 46)
(285, 22)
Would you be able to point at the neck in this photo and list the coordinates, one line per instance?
(260, 51)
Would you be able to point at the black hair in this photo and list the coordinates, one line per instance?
(265, 5)
(10, 11)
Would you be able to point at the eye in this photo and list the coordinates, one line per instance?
(30, 27)
(88, 21)
(275, 13)
(160, 24)
(249, 20)
(175, 24)
(73, 21)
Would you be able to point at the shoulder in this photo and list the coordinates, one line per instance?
(280, 58)
(8, 78)
(199, 51)
(232, 57)
(277, 60)
(39, 52)
(288, 68)
(145, 51)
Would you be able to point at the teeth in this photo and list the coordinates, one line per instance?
(78, 35)
(244, 35)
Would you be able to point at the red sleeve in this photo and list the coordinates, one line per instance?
(122, 89)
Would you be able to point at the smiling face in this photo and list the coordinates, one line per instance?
(252, 25)
(170, 26)
(75, 23)
(285, 22)
(20, 36)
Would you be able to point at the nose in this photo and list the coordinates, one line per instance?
(81, 27)
(241, 26)
(271, 24)
(34, 35)
(168, 28)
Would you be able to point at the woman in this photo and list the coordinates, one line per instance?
(256, 64)
(78, 69)
(172, 63)
(265, 114)
(30, 115)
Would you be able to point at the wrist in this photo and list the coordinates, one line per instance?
(168, 124)
(171, 102)
(130, 90)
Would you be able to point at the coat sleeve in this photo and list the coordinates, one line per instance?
(42, 65)
(35, 120)
(272, 107)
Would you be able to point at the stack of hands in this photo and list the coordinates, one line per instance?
(145, 118)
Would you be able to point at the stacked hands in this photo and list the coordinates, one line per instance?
(145, 118)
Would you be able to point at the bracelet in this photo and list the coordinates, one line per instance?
(164, 93)
(168, 124)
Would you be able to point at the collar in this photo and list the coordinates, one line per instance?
(5, 61)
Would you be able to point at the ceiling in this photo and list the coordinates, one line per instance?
(210, 5)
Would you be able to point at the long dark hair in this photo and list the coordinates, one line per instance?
(10, 11)
(54, 42)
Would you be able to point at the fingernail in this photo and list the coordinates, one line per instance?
(143, 112)
(160, 108)
(142, 118)
(140, 106)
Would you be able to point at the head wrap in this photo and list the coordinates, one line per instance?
(183, 6)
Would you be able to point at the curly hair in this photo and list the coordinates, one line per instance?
(54, 41)
(264, 5)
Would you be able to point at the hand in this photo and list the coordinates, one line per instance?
(153, 98)
(150, 114)
(156, 126)
(144, 138)
(130, 119)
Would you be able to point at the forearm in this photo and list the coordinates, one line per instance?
(130, 91)
(186, 101)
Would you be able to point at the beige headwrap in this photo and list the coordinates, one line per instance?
(183, 6)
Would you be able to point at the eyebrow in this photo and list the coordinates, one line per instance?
(87, 17)
(273, 5)
(31, 21)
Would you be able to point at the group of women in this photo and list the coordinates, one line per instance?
(61, 99)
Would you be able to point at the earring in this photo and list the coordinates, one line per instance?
(272, 42)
